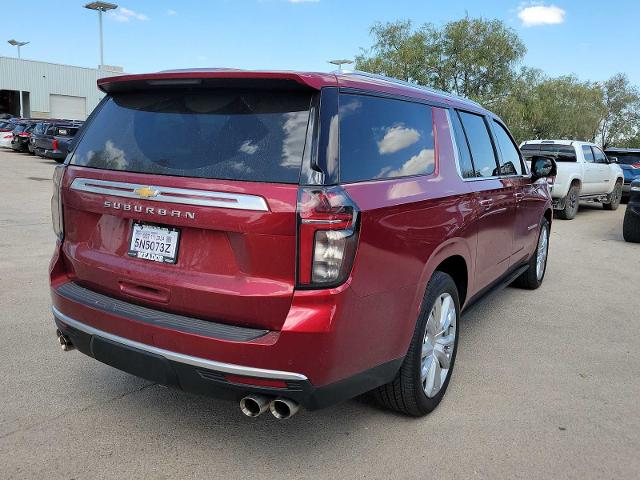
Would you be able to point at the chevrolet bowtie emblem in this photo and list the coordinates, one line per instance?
(146, 192)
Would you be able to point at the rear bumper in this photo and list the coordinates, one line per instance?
(210, 377)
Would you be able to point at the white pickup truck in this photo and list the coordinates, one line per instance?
(584, 173)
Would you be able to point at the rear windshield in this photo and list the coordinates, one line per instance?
(626, 158)
(19, 128)
(234, 135)
(561, 153)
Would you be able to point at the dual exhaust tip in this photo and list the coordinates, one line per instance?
(281, 408)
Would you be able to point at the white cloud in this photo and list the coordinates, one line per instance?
(540, 14)
(423, 162)
(171, 12)
(248, 147)
(295, 128)
(397, 138)
(124, 14)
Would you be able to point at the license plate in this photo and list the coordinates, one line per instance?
(154, 242)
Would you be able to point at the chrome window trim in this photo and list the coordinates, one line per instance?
(184, 196)
(456, 152)
(181, 357)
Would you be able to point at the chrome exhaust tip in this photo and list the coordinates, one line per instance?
(283, 408)
(254, 405)
(65, 342)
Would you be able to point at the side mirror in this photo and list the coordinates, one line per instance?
(543, 167)
(613, 159)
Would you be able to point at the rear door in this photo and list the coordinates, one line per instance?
(186, 201)
(527, 201)
(495, 202)
(604, 180)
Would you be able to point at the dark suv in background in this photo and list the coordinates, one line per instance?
(629, 161)
(289, 238)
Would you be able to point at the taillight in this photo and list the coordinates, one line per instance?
(636, 165)
(327, 236)
(54, 144)
(23, 135)
(56, 202)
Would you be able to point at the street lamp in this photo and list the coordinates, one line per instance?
(339, 63)
(18, 44)
(101, 7)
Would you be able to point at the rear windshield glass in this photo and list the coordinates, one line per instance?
(561, 153)
(626, 158)
(234, 135)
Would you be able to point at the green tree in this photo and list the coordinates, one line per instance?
(621, 120)
(473, 57)
(537, 107)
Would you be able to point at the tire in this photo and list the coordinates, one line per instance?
(571, 204)
(406, 392)
(631, 227)
(614, 198)
(532, 278)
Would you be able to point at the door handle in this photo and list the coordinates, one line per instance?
(519, 196)
(486, 202)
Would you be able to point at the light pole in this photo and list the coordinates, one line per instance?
(341, 62)
(101, 7)
(18, 44)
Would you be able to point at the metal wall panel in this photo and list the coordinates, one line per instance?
(42, 79)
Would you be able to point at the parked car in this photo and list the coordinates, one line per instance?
(584, 173)
(629, 161)
(631, 225)
(53, 142)
(307, 240)
(22, 136)
(6, 133)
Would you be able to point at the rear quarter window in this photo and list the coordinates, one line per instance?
(383, 138)
(224, 134)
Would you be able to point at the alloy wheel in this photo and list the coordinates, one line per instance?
(438, 344)
(541, 255)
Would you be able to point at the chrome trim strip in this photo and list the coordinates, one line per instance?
(181, 357)
(203, 198)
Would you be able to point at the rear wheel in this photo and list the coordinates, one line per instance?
(424, 375)
(571, 204)
(614, 198)
(533, 277)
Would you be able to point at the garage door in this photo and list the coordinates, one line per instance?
(68, 107)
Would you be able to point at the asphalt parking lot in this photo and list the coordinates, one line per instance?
(546, 383)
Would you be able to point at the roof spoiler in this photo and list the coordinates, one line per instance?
(213, 79)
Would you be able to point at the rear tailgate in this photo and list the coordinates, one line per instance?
(212, 177)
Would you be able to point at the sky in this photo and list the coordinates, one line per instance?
(592, 39)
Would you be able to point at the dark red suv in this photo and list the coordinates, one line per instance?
(289, 238)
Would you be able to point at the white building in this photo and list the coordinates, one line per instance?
(50, 90)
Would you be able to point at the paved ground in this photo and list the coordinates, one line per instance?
(546, 385)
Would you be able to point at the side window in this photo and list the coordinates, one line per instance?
(482, 153)
(598, 155)
(510, 163)
(464, 155)
(384, 138)
(588, 154)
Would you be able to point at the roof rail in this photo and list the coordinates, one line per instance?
(417, 86)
